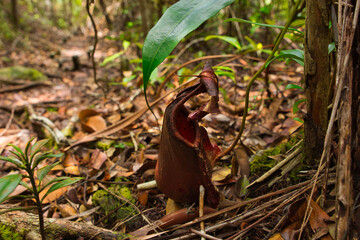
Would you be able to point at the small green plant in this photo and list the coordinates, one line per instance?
(29, 160)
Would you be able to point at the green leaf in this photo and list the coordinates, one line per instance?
(13, 160)
(233, 41)
(299, 120)
(111, 58)
(178, 20)
(294, 54)
(241, 186)
(261, 24)
(58, 179)
(24, 184)
(293, 86)
(42, 172)
(37, 148)
(28, 145)
(331, 47)
(61, 184)
(40, 157)
(296, 105)
(8, 185)
(19, 153)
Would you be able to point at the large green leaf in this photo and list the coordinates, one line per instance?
(178, 20)
(8, 185)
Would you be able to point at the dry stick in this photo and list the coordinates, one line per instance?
(241, 204)
(8, 123)
(201, 208)
(242, 232)
(127, 201)
(94, 47)
(204, 235)
(251, 82)
(249, 215)
(340, 81)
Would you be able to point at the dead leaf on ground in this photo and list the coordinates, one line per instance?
(97, 159)
(91, 120)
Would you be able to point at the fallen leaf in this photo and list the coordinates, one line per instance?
(66, 210)
(220, 174)
(97, 159)
(91, 120)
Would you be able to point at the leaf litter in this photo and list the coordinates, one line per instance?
(114, 144)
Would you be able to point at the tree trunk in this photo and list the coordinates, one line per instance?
(107, 17)
(348, 162)
(14, 13)
(317, 76)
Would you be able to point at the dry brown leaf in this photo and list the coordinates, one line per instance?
(69, 160)
(73, 170)
(91, 120)
(53, 195)
(172, 206)
(221, 174)
(66, 210)
(276, 236)
(143, 197)
(97, 159)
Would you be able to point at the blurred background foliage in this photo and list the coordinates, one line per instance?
(131, 20)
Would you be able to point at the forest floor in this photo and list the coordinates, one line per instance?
(118, 160)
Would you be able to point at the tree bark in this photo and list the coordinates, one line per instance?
(348, 162)
(28, 224)
(14, 13)
(317, 76)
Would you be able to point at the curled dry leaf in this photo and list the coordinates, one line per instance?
(91, 120)
(186, 155)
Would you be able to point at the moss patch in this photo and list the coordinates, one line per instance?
(120, 210)
(8, 233)
(261, 163)
(23, 73)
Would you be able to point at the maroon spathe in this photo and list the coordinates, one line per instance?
(186, 154)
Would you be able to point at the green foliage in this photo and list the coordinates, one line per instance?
(233, 41)
(8, 185)
(29, 160)
(8, 233)
(292, 54)
(23, 73)
(108, 203)
(178, 20)
(261, 24)
(261, 162)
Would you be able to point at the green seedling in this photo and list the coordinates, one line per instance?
(29, 160)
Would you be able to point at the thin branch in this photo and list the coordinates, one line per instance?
(94, 47)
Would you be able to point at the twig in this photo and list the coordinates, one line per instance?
(204, 235)
(94, 47)
(8, 123)
(48, 124)
(242, 232)
(24, 86)
(201, 209)
(251, 82)
(241, 204)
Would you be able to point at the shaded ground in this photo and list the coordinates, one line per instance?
(120, 161)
